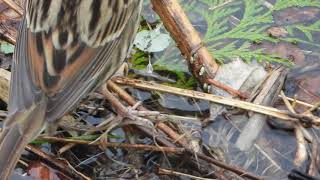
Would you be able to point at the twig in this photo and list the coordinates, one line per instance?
(61, 166)
(316, 106)
(69, 146)
(301, 152)
(14, 6)
(175, 173)
(201, 63)
(270, 111)
(163, 127)
(201, 156)
(7, 34)
(125, 96)
(228, 89)
(234, 169)
(286, 102)
(115, 145)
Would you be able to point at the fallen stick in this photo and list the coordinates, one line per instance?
(270, 111)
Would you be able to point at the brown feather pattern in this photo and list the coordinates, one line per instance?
(65, 49)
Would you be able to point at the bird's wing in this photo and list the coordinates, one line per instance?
(67, 48)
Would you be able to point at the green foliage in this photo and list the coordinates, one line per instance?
(230, 29)
(307, 30)
(140, 61)
(183, 81)
(227, 41)
(282, 4)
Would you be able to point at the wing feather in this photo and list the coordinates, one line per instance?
(23, 92)
(62, 62)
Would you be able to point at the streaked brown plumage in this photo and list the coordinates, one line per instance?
(65, 49)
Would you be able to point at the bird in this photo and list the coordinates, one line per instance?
(65, 49)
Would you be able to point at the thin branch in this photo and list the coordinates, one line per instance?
(179, 174)
(115, 145)
(57, 163)
(187, 39)
(14, 6)
(162, 126)
(270, 111)
(234, 169)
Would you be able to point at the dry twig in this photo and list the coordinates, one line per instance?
(236, 170)
(14, 6)
(301, 153)
(270, 111)
(201, 63)
(57, 163)
(179, 174)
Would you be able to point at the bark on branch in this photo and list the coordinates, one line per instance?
(201, 63)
